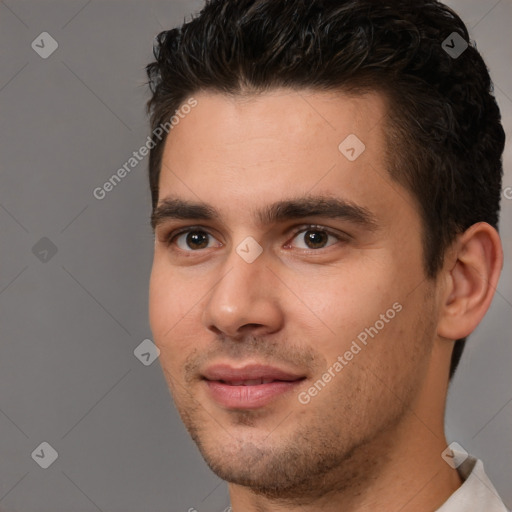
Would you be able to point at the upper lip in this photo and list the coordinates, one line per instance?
(228, 373)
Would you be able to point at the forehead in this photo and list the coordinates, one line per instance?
(283, 117)
(239, 152)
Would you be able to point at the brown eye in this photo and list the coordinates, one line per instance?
(315, 238)
(192, 240)
(197, 240)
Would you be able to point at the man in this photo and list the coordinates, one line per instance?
(325, 205)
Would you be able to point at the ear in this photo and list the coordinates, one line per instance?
(474, 268)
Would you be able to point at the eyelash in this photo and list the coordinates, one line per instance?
(169, 239)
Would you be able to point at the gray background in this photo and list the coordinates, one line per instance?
(69, 325)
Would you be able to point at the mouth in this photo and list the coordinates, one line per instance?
(251, 382)
(249, 387)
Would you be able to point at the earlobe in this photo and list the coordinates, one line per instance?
(471, 281)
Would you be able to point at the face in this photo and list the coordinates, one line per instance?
(289, 302)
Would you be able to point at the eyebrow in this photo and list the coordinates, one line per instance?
(288, 209)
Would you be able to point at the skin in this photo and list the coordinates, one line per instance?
(372, 437)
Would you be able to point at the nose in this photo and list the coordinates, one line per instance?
(245, 299)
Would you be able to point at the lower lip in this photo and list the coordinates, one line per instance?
(248, 397)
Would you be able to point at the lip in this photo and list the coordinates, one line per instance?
(229, 373)
(218, 379)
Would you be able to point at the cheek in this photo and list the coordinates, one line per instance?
(164, 315)
(167, 304)
(349, 297)
(158, 299)
(174, 316)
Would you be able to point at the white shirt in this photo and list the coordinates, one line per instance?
(476, 494)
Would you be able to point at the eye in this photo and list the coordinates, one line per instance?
(316, 237)
(310, 237)
(192, 240)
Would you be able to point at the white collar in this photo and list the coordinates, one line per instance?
(476, 493)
